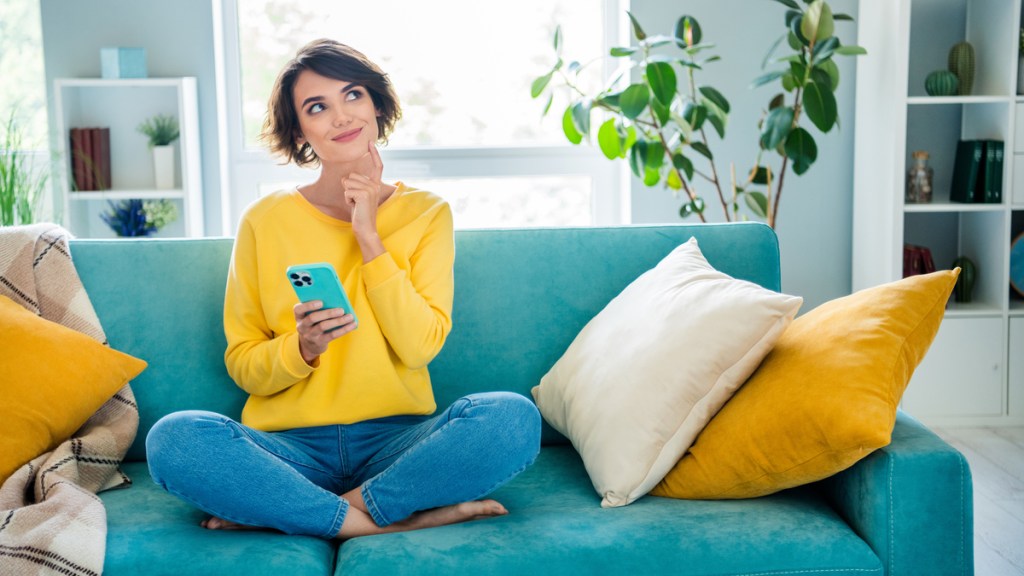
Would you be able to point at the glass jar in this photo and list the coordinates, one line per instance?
(919, 179)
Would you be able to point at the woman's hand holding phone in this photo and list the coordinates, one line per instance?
(318, 327)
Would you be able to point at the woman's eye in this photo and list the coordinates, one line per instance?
(353, 95)
(316, 108)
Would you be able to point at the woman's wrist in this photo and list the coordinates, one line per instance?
(370, 245)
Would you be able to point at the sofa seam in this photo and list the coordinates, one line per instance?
(892, 522)
(815, 571)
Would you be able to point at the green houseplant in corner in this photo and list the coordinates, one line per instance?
(162, 131)
(661, 125)
(21, 184)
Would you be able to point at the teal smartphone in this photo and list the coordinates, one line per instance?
(319, 281)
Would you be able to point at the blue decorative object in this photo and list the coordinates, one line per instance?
(128, 218)
(1017, 264)
(123, 62)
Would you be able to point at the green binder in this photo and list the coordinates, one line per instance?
(966, 167)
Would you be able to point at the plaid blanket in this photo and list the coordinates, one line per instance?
(51, 521)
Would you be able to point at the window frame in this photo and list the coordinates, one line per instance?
(248, 167)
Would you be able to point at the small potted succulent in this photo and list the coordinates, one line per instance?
(162, 131)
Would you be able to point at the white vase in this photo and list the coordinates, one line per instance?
(1020, 75)
(163, 166)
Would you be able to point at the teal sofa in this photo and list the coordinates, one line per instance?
(521, 297)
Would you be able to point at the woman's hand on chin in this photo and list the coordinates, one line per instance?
(364, 193)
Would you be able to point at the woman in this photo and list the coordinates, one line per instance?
(335, 439)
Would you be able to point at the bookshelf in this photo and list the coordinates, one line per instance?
(974, 372)
(121, 105)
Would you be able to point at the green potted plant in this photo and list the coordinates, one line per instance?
(21, 184)
(660, 125)
(162, 131)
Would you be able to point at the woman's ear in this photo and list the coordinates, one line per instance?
(299, 139)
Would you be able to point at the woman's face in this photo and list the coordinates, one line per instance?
(337, 118)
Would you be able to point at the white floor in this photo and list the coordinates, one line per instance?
(996, 456)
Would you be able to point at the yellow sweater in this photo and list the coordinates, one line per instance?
(402, 299)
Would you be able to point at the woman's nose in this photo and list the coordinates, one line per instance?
(340, 118)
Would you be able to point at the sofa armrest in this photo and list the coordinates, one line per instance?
(911, 501)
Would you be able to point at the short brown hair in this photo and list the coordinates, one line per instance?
(330, 59)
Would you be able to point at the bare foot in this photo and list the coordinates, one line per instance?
(215, 523)
(358, 523)
(462, 512)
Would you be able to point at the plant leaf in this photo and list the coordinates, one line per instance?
(569, 127)
(655, 156)
(651, 177)
(547, 107)
(637, 30)
(634, 100)
(609, 140)
(695, 206)
(619, 51)
(683, 163)
(538, 86)
(777, 101)
(688, 31)
(719, 123)
(757, 202)
(789, 3)
(703, 150)
(638, 157)
(820, 105)
(766, 78)
(695, 114)
(672, 180)
(661, 111)
(841, 16)
(771, 51)
(662, 79)
(630, 139)
(821, 77)
(817, 22)
(823, 50)
(760, 175)
(558, 39)
(851, 50)
(776, 127)
(716, 97)
(801, 149)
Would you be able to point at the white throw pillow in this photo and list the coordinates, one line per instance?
(646, 374)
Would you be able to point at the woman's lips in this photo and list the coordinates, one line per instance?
(348, 136)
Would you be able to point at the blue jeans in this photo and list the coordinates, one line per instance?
(292, 480)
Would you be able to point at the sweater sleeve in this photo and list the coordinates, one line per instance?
(260, 362)
(414, 306)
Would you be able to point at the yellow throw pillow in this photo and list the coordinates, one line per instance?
(825, 397)
(52, 379)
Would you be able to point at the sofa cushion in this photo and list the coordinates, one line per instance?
(823, 399)
(645, 375)
(152, 532)
(555, 526)
(52, 379)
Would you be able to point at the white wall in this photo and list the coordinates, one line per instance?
(815, 224)
(178, 36)
(815, 215)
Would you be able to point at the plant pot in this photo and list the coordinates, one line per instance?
(163, 166)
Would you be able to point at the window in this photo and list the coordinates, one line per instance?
(470, 131)
(23, 89)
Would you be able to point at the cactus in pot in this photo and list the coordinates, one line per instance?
(965, 281)
(941, 83)
(961, 63)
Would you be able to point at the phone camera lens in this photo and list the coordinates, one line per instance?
(297, 283)
(293, 276)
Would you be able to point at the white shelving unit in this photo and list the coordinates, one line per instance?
(122, 105)
(974, 372)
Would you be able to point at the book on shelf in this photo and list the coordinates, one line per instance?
(917, 260)
(966, 168)
(993, 189)
(90, 158)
